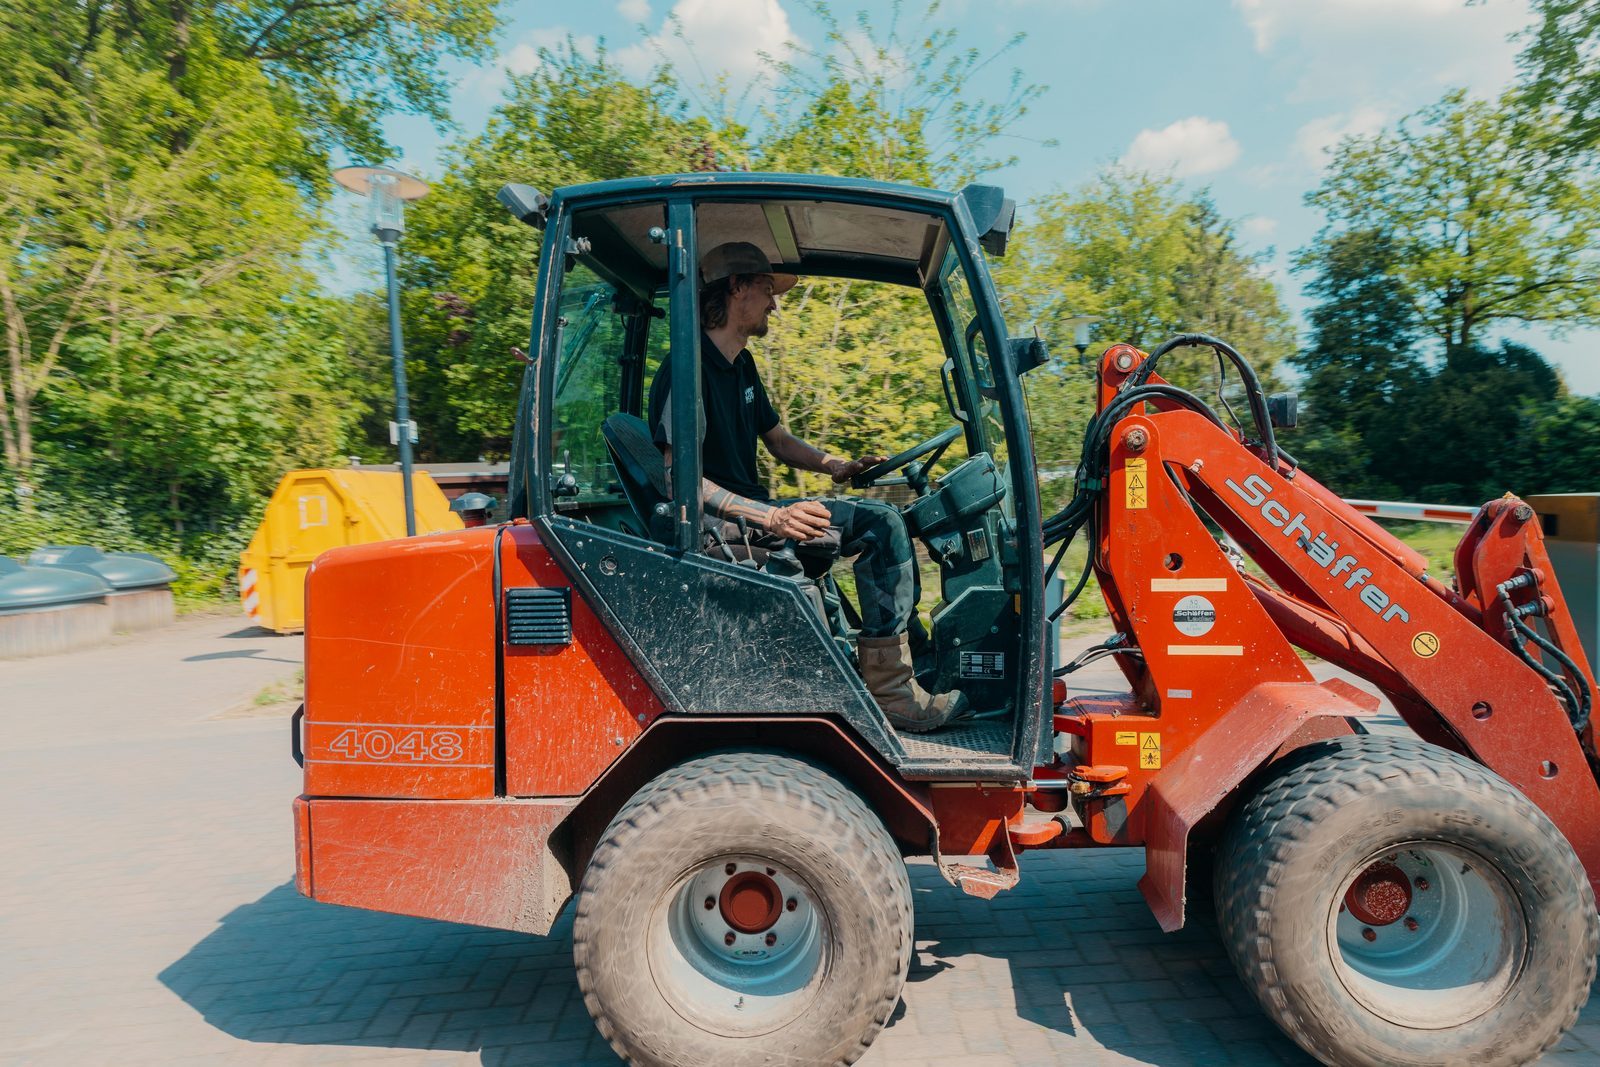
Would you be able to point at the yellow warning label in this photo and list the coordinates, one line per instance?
(1425, 644)
(1137, 490)
(1127, 737)
(1150, 751)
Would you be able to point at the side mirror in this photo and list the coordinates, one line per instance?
(1028, 353)
(1284, 410)
(525, 203)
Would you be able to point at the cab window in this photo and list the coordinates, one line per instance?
(972, 352)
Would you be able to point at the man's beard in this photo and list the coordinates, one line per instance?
(760, 329)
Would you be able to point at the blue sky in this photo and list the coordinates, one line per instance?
(1240, 96)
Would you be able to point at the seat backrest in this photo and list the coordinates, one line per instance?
(639, 464)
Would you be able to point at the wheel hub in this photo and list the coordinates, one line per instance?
(751, 902)
(1427, 935)
(741, 945)
(1380, 895)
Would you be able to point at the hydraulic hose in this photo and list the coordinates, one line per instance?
(1247, 374)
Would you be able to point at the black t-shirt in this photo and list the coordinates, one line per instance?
(734, 412)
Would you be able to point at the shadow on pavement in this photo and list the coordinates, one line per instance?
(284, 969)
(1087, 961)
(1073, 951)
(253, 633)
(238, 653)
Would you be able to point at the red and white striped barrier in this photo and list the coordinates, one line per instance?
(1392, 509)
(249, 595)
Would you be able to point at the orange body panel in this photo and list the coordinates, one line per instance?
(400, 653)
(571, 710)
(484, 862)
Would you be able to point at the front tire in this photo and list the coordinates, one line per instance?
(1391, 903)
(743, 908)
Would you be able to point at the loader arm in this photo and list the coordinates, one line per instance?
(1453, 661)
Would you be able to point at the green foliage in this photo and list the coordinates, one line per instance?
(1437, 231)
(166, 352)
(1380, 420)
(1560, 65)
(1148, 261)
(891, 104)
(469, 265)
(1484, 228)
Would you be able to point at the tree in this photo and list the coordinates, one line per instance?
(468, 269)
(333, 68)
(115, 240)
(1481, 232)
(1560, 64)
(1361, 372)
(875, 102)
(1148, 261)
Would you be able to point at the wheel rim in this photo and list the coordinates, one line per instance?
(1427, 935)
(739, 946)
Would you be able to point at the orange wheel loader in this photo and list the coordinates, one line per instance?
(604, 700)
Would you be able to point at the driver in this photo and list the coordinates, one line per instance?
(738, 292)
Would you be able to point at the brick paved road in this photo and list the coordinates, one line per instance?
(146, 914)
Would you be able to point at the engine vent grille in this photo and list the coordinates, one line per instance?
(539, 616)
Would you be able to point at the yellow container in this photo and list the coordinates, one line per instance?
(312, 511)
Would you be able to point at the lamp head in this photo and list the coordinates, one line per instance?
(387, 191)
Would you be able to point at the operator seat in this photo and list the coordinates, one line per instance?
(641, 469)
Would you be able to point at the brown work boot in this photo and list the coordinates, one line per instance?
(886, 668)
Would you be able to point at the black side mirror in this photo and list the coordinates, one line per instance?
(1284, 410)
(525, 203)
(1028, 353)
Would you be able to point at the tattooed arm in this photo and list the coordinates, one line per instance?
(788, 448)
(802, 520)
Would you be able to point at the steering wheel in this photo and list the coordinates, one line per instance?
(935, 444)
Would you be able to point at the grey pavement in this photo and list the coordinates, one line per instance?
(147, 913)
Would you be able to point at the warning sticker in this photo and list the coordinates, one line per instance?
(1150, 751)
(1127, 737)
(1425, 644)
(1138, 486)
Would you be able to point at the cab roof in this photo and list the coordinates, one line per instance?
(807, 224)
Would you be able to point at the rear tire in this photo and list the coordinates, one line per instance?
(1390, 903)
(743, 908)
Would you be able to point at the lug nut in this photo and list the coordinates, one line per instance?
(789, 905)
(772, 939)
(1367, 933)
(729, 939)
(730, 868)
(711, 902)
(1411, 924)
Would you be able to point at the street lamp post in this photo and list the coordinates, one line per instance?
(387, 191)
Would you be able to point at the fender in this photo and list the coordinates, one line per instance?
(1273, 719)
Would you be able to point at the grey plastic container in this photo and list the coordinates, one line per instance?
(47, 609)
(140, 598)
(124, 570)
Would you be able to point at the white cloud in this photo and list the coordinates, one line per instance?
(1385, 50)
(709, 39)
(1316, 139)
(1270, 20)
(523, 58)
(1259, 227)
(634, 10)
(1190, 146)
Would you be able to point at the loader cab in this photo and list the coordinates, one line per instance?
(714, 632)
